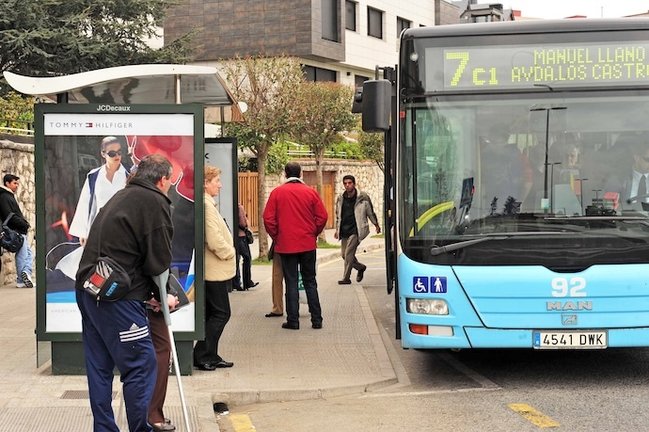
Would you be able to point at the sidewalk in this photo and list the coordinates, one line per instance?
(271, 363)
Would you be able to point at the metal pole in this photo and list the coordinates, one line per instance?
(161, 281)
(177, 98)
(547, 148)
(581, 196)
(222, 110)
(552, 185)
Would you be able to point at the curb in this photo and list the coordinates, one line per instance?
(390, 377)
(248, 397)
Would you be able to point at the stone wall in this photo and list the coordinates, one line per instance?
(369, 178)
(18, 158)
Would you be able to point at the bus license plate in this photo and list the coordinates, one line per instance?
(570, 340)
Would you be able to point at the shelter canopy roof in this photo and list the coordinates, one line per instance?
(135, 84)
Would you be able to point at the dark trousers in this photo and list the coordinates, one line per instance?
(116, 334)
(162, 345)
(306, 262)
(217, 315)
(243, 251)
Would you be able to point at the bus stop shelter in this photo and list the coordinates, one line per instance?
(111, 89)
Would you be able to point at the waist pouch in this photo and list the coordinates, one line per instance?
(108, 281)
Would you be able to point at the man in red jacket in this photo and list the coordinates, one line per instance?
(293, 217)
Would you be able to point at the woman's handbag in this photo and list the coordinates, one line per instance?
(249, 238)
(10, 240)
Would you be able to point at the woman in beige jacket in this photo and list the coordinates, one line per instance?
(219, 271)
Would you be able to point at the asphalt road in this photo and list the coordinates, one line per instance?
(472, 390)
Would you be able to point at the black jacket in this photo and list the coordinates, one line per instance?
(134, 228)
(8, 204)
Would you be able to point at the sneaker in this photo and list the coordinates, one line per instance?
(27, 280)
(20, 285)
(344, 282)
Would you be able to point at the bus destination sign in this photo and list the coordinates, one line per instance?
(503, 67)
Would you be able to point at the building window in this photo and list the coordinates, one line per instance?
(350, 15)
(402, 24)
(312, 73)
(359, 80)
(374, 22)
(330, 25)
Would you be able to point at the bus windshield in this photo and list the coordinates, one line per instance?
(567, 169)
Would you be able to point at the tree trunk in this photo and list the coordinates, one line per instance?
(319, 156)
(262, 156)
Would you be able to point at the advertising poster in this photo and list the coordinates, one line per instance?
(222, 153)
(87, 157)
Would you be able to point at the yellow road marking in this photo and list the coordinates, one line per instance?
(535, 417)
(241, 423)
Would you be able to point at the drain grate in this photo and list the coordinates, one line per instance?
(79, 394)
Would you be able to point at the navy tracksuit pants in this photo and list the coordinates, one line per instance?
(116, 334)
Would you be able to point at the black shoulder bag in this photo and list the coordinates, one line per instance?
(108, 281)
(10, 240)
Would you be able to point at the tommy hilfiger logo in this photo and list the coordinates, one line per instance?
(54, 125)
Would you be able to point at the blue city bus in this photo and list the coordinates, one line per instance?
(517, 161)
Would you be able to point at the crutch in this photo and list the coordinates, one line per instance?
(161, 281)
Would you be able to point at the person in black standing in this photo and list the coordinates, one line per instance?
(243, 251)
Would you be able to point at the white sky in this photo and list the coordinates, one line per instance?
(565, 8)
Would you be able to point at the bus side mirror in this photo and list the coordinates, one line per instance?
(376, 104)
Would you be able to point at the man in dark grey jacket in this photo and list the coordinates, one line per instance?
(353, 209)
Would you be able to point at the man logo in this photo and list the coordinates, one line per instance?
(569, 306)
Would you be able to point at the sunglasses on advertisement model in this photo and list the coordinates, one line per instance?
(113, 153)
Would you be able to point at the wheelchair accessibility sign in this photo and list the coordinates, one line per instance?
(425, 284)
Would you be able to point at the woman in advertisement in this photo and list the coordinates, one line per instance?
(100, 186)
(100, 183)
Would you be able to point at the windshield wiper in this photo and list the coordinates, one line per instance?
(639, 219)
(438, 250)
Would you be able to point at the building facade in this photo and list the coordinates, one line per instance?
(335, 40)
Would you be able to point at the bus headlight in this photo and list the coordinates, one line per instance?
(427, 306)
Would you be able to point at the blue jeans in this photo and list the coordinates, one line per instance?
(24, 259)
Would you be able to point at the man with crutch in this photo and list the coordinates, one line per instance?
(134, 231)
